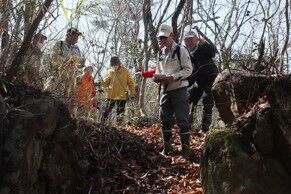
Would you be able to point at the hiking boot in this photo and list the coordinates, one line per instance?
(188, 155)
(167, 150)
(167, 135)
(202, 131)
(206, 122)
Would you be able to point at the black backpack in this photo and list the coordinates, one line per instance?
(177, 52)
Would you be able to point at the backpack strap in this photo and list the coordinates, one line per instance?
(178, 53)
(62, 48)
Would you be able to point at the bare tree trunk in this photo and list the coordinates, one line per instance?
(187, 17)
(147, 17)
(4, 8)
(4, 23)
(12, 71)
(29, 12)
(284, 49)
(175, 18)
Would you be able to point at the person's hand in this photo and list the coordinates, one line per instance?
(157, 80)
(132, 98)
(168, 80)
(82, 60)
(139, 73)
(201, 40)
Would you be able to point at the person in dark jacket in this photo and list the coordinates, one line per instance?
(202, 54)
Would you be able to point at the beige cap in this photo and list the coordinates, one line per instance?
(165, 30)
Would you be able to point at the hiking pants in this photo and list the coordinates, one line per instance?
(175, 103)
(205, 92)
(110, 105)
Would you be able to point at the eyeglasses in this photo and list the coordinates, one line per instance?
(162, 38)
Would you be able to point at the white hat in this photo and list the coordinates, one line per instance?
(165, 30)
(190, 34)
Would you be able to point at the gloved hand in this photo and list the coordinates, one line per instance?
(97, 84)
(132, 98)
(100, 90)
(168, 80)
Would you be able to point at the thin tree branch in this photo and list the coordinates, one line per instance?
(25, 44)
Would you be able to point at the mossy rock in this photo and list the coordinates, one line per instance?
(230, 164)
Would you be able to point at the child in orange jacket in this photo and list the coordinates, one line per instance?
(86, 92)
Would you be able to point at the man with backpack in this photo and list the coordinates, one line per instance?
(204, 74)
(171, 74)
(65, 60)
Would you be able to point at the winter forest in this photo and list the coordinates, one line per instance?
(87, 103)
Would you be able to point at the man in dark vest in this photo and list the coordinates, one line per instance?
(204, 74)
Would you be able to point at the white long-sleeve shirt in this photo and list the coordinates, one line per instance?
(171, 66)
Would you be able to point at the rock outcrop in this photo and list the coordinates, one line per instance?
(235, 91)
(39, 151)
(253, 156)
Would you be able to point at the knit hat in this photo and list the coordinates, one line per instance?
(115, 61)
(73, 31)
(40, 36)
(88, 67)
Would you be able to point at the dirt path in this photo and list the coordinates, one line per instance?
(127, 160)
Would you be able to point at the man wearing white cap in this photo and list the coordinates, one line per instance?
(171, 73)
(201, 53)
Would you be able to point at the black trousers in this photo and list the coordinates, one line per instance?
(110, 105)
(203, 90)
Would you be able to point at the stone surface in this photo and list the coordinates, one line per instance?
(235, 91)
(279, 95)
(39, 149)
(253, 156)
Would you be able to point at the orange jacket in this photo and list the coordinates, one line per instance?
(86, 93)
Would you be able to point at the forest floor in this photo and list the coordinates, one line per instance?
(128, 160)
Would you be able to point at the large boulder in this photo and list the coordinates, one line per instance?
(253, 156)
(235, 91)
(279, 95)
(39, 149)
(2, 108)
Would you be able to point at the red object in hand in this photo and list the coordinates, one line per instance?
(149, 74)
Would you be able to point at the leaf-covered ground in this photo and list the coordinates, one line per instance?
(127, 160)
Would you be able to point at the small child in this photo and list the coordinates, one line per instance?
(85, 98)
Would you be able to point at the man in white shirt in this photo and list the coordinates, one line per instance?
(173, 93)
